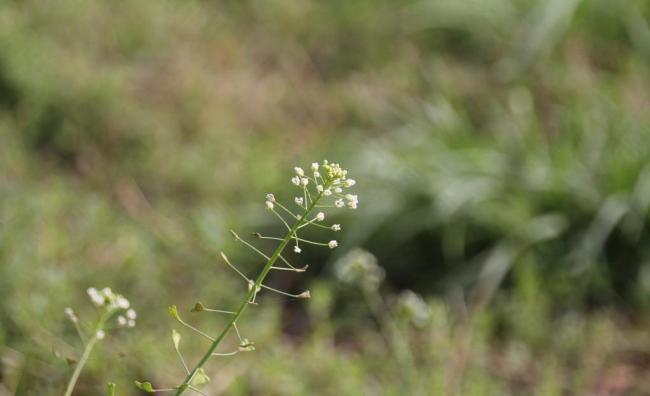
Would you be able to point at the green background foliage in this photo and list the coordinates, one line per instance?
(501, 149)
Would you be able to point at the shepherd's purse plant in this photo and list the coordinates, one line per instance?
(109, 304)
(324, 186)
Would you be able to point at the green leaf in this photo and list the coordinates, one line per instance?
(200, 378)
(145, 386)
(173, 312)
(111, 389)
(198, 307)
(176, 338)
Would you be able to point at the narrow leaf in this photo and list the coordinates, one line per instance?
(145, 386)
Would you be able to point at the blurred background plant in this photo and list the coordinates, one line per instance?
(502, 154)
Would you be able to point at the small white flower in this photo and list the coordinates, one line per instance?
(131, 323)
(332, 244)
(338, 190)
(299, 171)
(319, 188)
(299, 201)
(96, 297)
(304, 181)
(297, 249)
(122, 302)
(100, 334)
(69, 312)
(320, 216)
(270, 197)
(316, 175)
(327, 192)
(336, 227)
(269, 205)
(353, 200)
(349, 182)
(121, 321)
(131, 314)
(339, 203)
(108, 293)
(314, 166)
(295, 180)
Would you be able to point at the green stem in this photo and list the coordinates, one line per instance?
(86, 354)
(400, 349)
(249, 296)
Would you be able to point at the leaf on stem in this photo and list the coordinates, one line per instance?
(144, 386)
(199, 378)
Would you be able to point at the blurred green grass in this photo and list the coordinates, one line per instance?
(502, 153)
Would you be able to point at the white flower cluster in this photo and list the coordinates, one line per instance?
(128, 320)
(112, 302)
(330, 182)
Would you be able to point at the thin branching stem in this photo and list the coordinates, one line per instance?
(86, 353)
(251, 294)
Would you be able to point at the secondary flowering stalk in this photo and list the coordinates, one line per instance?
(328, 180)
(111, 304)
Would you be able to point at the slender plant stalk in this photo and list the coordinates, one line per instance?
(86, 354)
(251, 293)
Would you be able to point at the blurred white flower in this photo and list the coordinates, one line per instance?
(96, 297)
(121, 321)
(299, 171)
(298, 200)
(297, 249)
(359, 267)
(414, 307)
(69, 312)
(320, 216)
(295, 180)
(353, 200)
(100, 334)
(122, 302)
(332, 244)
(336, 227)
